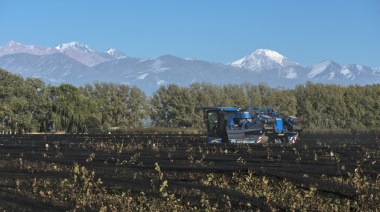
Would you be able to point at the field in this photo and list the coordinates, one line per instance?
(183, 173)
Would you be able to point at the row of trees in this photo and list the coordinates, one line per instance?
(320, 105)
(28, 105)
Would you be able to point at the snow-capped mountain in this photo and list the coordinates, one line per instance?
(13, 47)
(325, 70)
(330, 71)
(274, 64)
(78, 64)
(270, 62)
(75, 46)
(82, 53)
(263, 59)
(113, 54)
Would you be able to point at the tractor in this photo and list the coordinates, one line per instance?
(251, 125)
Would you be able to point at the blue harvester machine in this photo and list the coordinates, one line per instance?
(251, 125)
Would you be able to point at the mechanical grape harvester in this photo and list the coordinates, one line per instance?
(251, 125)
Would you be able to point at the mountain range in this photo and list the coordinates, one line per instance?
(77, 64)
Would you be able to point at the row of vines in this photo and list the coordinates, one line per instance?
(161, 173)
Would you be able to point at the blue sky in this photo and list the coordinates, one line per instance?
(307, 32)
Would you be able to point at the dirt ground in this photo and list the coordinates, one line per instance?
(33, 167)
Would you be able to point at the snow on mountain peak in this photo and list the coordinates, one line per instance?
(270, 54)
(75, 45)
(14, 47)
(263, 59)
(359, 67)
(82, 53)
(111, 51)
(13, 43)
(115, 54)
(324, 66)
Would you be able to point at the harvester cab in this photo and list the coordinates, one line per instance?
(250, 125)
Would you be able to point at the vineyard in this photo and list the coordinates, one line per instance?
(182, 173)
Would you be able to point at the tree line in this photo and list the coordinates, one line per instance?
(29, 105)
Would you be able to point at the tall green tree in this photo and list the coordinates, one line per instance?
(254, 97)
(172, 106)
(119, 105)
(138, 108)
(235, 95)
(70, 109)
(14, 114)
(34, 113)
